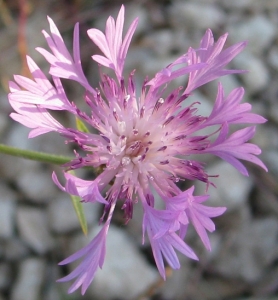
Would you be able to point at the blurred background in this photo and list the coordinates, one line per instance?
(38, 225)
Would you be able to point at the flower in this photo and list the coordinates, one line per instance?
(143, 140)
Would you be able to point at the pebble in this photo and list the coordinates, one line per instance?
(33, 229)
(237, 4)
(249, 250)
(257, 77)
(7, 211)
(161, 42)
(62, 217)
(273, 58)
(250, 29)
(271, 160)
(35, 214)
(232, 188)
(15, 249)
(37, 185)
(229, 83)
(197, 15)
(125, 268)
(3, 121)
(29, 280)
(5, 275)
(12, 167)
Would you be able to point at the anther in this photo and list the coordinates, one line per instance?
(162, 148)
(142, 111)
(115, 115)
(168, 120)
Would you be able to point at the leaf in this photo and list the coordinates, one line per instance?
(78, 207)
(81, 126)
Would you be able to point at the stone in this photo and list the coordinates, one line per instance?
(273, 58)
(3, 121)
(257, 77)
(229, 83)
(250, 29)
(251, 249)
(160, 42)
(13, 167)
(37, 185)
(125, 268)
(15, 249)
(232, 188)
(29, 280)
(7, 211)
(62, 217)
(197, 15)
(33, 229)
(237, 4)
(5, 275)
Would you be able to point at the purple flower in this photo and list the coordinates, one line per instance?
(94, 255)
(142, 140)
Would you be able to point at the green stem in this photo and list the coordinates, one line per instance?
(34, 155)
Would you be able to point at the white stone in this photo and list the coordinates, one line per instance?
(237, 4)
(33, 229)
(257, 77)
(7, 210)
(29, 280)
(160, 41)
(273, 58)
(252, 248)
(62, 217)
(37, 185)
(197, 15)
(11, 166)
(228, 82)
(232, 188)
(258, 31)
(125, 268)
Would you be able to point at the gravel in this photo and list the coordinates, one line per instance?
(38, 225)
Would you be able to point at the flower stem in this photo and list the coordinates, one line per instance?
(34, 155)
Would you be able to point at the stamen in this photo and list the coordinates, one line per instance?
(162, 148)
(147, 134)
(109, 148)
(115, 115)
(126, 99)
(142, 111)
(158, 103)
(135, 145)
(168, 120)
(105, 138)
(180, 137)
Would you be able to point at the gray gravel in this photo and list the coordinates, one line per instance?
(38, 226)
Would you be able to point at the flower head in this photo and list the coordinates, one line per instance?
(143, 141)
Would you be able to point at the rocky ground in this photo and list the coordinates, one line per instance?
(38, 226)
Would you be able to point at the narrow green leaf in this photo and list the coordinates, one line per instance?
(80, 213)
(79, 209)
(81, 126)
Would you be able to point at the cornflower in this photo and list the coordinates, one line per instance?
(142, 141)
